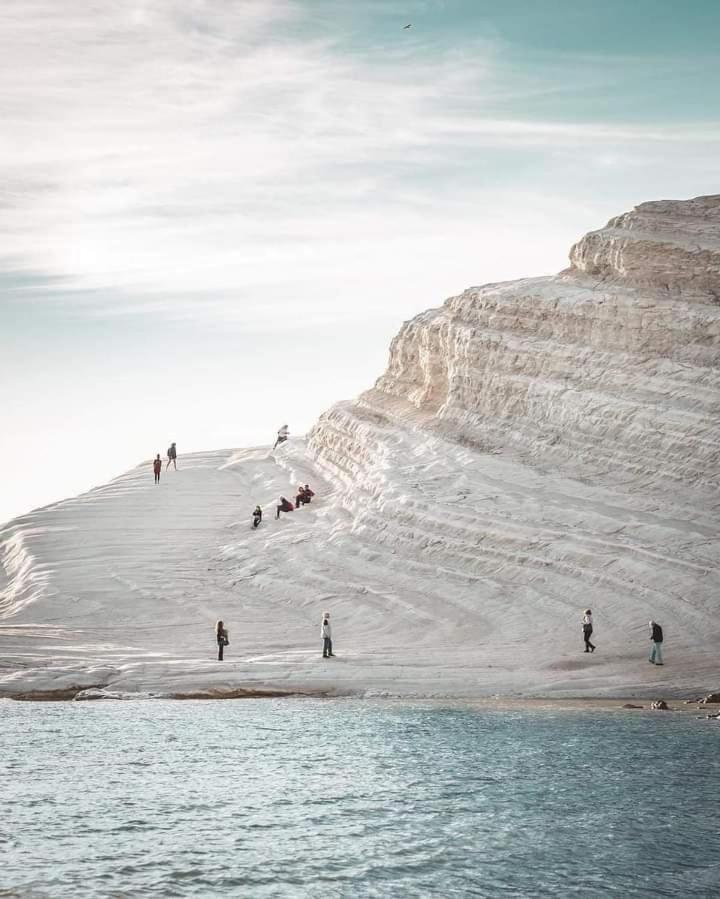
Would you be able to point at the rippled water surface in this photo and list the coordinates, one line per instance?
(334, 798)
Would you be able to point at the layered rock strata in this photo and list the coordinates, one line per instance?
(533, 448)
(581, 413)
(609, 369)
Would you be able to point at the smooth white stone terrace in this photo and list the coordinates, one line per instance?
(533, 448)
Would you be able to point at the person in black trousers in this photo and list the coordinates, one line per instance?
(221, 635)
(587, 627)
(326, 634)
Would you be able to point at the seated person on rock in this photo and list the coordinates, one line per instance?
(284, 505)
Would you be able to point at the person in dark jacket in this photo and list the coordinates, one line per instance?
(587, 627)
(656, 635)
(304, 496)
(172, 456)
(283, 506)
(157, 468)
(222, 637)
(257, 516)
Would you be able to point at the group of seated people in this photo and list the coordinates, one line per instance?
(304, 496)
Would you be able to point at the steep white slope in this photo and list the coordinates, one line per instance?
(533, 448)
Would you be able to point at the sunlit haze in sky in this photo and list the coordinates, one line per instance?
(215, 214)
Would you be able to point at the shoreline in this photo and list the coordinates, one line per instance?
(693, 705)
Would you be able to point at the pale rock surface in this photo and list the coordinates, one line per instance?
(533, 448)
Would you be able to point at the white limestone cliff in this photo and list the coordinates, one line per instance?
(608, 369)
(668, 245)
(533, 448)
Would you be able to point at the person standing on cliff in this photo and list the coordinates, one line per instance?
(587, 627)
(222, 637)
(157, 468)
(656, 635)
(282, 435)
(326, 634)
(172, 456)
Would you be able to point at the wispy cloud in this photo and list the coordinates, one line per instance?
(246, 151)
(214, 213)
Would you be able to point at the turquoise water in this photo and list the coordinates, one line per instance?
(296, 798)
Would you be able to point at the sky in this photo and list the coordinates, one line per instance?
(215, 214)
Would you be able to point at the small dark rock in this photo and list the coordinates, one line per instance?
(629, 705)
(660, 706)
(711, 698)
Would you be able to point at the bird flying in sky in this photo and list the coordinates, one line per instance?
(405, 27)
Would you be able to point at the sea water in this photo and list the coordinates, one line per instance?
(296, 798)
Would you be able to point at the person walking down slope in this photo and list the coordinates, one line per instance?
(282, 435)
(284, 505)
(587, 627)
(256, 516)
(326, 634)
(172, 456)
(656, 635)
(222, 637)
(157, 468)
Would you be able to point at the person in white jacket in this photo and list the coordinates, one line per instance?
(326, 634)
(282, 435)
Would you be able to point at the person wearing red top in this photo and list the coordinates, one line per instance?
(283, 506)
(157, 468)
